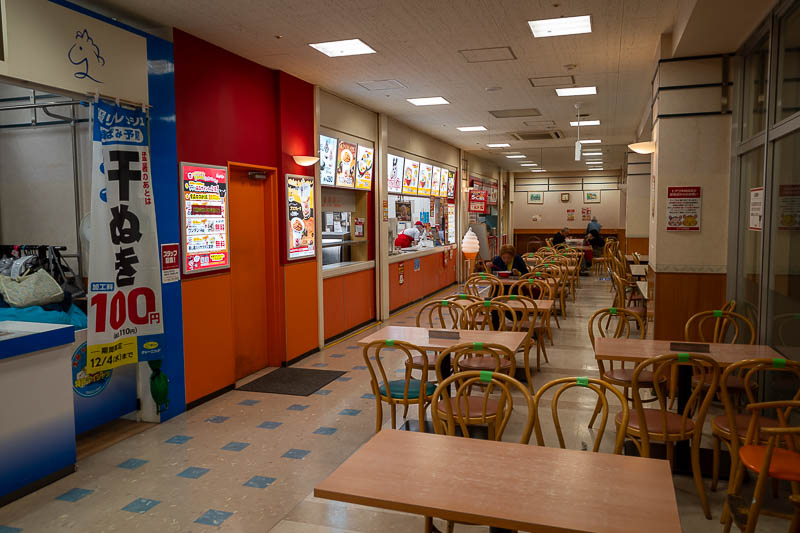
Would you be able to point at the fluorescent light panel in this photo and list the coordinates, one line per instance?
(529, 165)
(516, 156)
(584, 123)
(590, 141)
(537, 170)
(561, 26)
(576, 91)
(348, 47)
(597, 168)
(471, 128)
(498, 145)
(430, 100)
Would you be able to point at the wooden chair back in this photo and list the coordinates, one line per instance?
(463, 297)
(714, 326)
(785, 431)
(600, 388)
(526, 316)
(442, 314)
(483, 285)
(489, 315)
(533, 288)
(379, 377)
(615, 323)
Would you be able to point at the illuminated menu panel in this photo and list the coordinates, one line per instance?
(394, 170)
(435, 180)
(425, 176)
(204, 202)
(410, 176)
(327, 160)
(364, 168)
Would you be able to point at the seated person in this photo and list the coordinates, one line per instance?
(407, 238)
(561, 236)
(509, 260)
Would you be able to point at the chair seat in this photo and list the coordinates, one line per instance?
(734, 382)
(417, 361)
(626, 375)
(483, 363)
(653, 418)
(785, 464)
(742, 421)
(470, 404)
(398, 386)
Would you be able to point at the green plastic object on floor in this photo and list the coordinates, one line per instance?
(159, 386)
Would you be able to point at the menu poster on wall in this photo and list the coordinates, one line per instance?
(586, 214)
(451, 184)
(410, 176)
(789, 207)
(364, 166)
(300, 216)
(451, 223)
(395, 174)
(346, 165)
(477, 201)
(425, 176)
(756, 209)
(443, 184)
(683, 208)
(205, 218)
(570, 215)
(435, 180)
(327, 160)
(492, 194)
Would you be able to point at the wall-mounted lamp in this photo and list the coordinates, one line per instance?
(647, 147)
(305, 160)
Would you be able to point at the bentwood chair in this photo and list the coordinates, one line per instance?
(619, 298)
(488, 315)
(537, 289)
(438, 314)
(660, 424)
(406, 391)
(483, 286)
(529, 320)
(777, 459)
(597, 386)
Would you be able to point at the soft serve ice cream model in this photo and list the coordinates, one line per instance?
(470, 245)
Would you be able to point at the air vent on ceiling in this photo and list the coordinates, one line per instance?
(552, 81)
(541, 123)
(516, 113)
(381, 85)
(485, 55)
(537, 135)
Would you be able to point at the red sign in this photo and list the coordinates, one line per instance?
(477, 201)
(204, 197)
(683, 208)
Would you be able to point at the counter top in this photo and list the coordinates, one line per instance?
(402, 256)
(340, 269)
(19, 338)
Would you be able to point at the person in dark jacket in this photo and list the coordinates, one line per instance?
(509, 260)
(561, 236)
(596, 241)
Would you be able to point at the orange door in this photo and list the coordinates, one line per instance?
(248, 272)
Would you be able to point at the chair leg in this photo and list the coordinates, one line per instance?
(405, 411)
(698, 476)
(758, 498)
(421, 416)
(596, 412)
(715, 444)
(450, 526)
(394, 415)
(734, 485)
(379, 416)
(527, 361)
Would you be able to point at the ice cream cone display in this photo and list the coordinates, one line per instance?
(470, 247)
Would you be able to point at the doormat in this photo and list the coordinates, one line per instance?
(293, 381)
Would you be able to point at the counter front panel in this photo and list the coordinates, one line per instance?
(422, 276)
(349, 301)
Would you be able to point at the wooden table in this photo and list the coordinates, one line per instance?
(419, 336)
(642, 286)
(507, 485)
(543, 306)
(642, 258)
(639, 271)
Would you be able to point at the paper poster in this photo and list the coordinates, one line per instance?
(570, 215)
(346, 165)
(205, 218)
(435, 180)
(586, 214)
(364, 167)
(789, 207)
(300, 214)
(327, 160)
(756, 209)
(402, 211)
(477, 201)
(492, 199)
(394, 178)
(170, 263)
(425, 172)
(451, 184)
(451, 223)
(410, 176)
(683, 208)
(124, 298)
(443, 184)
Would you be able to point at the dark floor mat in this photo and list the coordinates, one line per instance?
(294, 381)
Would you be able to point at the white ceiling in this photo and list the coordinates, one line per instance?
(418, 44)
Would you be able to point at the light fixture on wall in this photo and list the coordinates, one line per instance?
(647, 147)
(305, 160)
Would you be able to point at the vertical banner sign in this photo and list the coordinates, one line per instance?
(125, 316)
(204, 199)
(756, 209)
(300, 212)
(683, 208)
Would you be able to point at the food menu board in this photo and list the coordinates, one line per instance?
(346, 165)
(451, 223)
(204, 204)
(477, 201)
(451, 184)
(364, 167)
(425, 171)
(410, 176)
(327, 160)
(300, 216)
(435, 180)
(395, 174)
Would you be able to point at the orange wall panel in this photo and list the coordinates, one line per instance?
(398, 294)
(676, 297)
(302, 321)
(358, 298)
(333, 298)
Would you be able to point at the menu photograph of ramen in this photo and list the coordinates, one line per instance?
(395, 174)
(300, 213)
(410, 176)
(436, 176)
(364, 166)
(327, 160)
(346, 165)
(425, 171)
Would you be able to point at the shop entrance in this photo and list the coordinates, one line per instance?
(253, 240)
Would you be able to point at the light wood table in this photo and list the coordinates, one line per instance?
(642, 258)
(419, 336)
(637, 350)
(642, 286)
(507, 485)
(639, 271)
(543, 306)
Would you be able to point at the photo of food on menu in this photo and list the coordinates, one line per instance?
(364, 167)
(346, 165)
(300, 198)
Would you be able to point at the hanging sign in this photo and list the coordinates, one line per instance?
(346, 165)
(125, 314)
(683, 208)
(300, 216)
(358, 227)
(204, 218)
(425, 176)
(451, 184)
(756, 209)
(436, 180)
(410, 176)
(394, 180)
(477, 201)
(364, 166)
(327, 160)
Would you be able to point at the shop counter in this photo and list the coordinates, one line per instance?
(340, 269)
(348, 296)
(415, 275)
(37, 421)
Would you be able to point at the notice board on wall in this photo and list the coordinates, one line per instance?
(683, 208)
(204, 218)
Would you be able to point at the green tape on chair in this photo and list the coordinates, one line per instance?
(487, 303)
(717, 313)
(797, 316)
(512, 297)
(538, 274)
(530, 256)
(445, 303)
(778, 362)
(531, 280)
(389, 342)
(462, 296)
(683, 357)
(612, 310)
(583, 382)
(483, 276)
(486, 376)
(477, 345)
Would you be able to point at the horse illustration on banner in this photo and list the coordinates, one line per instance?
(85, 55)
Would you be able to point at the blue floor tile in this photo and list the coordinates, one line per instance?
(178, 439)
(294, 453)
(344, 378)
(213, 517)
(359, 367)
(194, 472)
(269, 425)
(9, 529)
(73, 495)
(260, 482)
(236, 446)
(323, 392)
(349, 412)
(320, 365)
(297, 407)
(141, 505)
(132, 463)
(217, 419)
(248, 402)
(338, 355)
(368, 396)
(324, 431)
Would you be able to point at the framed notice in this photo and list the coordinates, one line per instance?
(756, 209)
(346, 165)
(425, 176)
(410, 176)
(683, 208)
(436, 177)
(394, 177)
(364, 168)
(477, 201)
(300, 216)
(451, 184)
(204, 219)
(327, 160)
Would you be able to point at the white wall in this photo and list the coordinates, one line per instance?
(637, 212)
(554, 212)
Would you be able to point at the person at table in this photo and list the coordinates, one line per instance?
(593, 225)
(561, 236)
(407, 238)
(509, 260)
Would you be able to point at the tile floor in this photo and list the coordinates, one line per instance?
(248, 462)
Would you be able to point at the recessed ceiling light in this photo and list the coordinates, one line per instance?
(561, 26)
(595, 162)
(349, 47)
(471, 128)
(529, 165)
(576, 91)
(431, 100)
(584, 123)
(516, 156)
(537, 170)
(590, 141)
(597, 168)
(498, 145)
